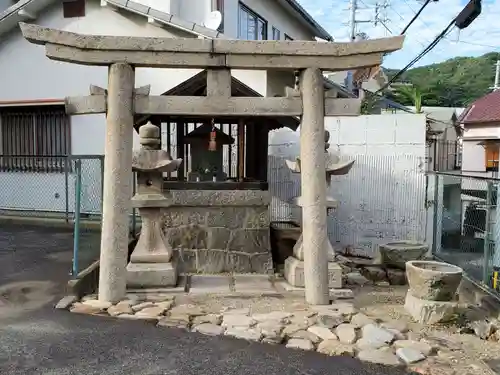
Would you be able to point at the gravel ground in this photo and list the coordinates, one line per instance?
(460, 354)
(39, 340)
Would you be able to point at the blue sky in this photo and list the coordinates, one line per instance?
(481, 37)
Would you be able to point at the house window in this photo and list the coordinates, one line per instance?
(491, 157)
(219, 5)
(276, 34)
(251, 25)
(34, 139)
(73, 8)
(288, 37)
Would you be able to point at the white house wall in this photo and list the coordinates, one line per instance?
(27, 74)
(273, 13)
(473, 156)
(383, 197)
(481, 132)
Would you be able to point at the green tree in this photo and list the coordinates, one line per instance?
(455, 82)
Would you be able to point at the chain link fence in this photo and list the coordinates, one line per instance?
(374, 204)
(467, 225)
(44, 186)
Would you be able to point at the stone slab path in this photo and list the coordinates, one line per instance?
(372, 327)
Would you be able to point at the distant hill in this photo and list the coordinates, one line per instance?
(452, 83)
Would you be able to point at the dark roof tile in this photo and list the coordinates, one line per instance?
(485, 109)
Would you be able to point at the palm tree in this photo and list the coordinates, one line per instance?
(410, 94)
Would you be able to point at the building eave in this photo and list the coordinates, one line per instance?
(306, 19)
(166, 19)
(22, 11)
(492, 123)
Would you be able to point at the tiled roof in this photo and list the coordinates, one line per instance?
(485, 109)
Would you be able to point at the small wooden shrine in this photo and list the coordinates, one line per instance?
(242, 142)
(219, 221)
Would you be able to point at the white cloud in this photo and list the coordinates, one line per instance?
(481, 37)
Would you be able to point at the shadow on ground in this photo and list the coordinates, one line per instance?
(36, 339)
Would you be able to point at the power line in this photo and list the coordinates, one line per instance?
(473, 43)
(403, 19)
(462, 21)
(420, 56)
(446, 39)
(415, 16)
(414, 11)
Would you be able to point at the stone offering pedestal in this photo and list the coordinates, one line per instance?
(151, 263)
(431, 297)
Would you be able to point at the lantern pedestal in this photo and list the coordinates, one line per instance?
(151, 263)
(294, 266)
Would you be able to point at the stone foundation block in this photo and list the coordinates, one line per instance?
(151, 275)
(294, 273)
(430, 312)
(218, 231)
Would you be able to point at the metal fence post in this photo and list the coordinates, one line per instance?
(66, 185)
(134, 218)
(76, 229)
(434, 216)
(438, 216)
(102, 183)
(486, 250)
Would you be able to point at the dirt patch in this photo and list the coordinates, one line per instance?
(24, 296)
(461, 354)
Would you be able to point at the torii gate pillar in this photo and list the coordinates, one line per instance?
(312, 156)
(117, 182)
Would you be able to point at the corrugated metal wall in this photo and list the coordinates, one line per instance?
(382, 198)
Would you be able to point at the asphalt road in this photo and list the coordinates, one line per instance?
(36, 339)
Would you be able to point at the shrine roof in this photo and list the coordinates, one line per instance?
(203, 132)
(197, 85)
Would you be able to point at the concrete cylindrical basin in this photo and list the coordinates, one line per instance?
(397, 253)
(433, 281)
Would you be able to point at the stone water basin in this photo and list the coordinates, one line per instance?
(433, 281)
(396, 254)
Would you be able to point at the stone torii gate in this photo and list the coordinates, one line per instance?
(121, 102)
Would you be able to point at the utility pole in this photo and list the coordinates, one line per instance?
(381, 15)
(496, 85)
(353, 21)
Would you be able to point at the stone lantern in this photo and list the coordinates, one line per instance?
(151, 263)
(294, 265)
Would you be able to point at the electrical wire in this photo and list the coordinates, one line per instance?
(414, 11)
(473, 43)
(415, 16)
(403, 19)
(441, 36)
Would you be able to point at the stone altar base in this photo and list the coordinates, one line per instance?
(152, 275)
(430, 312)
(219, 231)
(294, 273)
